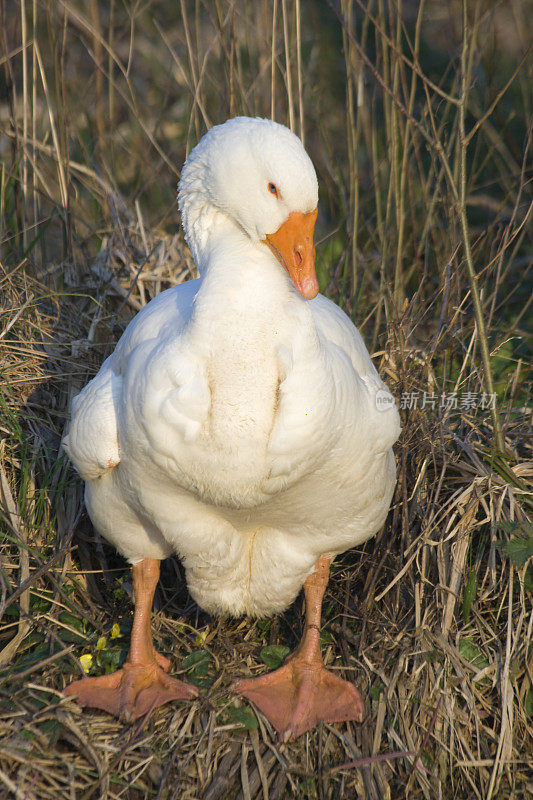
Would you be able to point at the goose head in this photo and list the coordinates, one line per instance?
(256, 173)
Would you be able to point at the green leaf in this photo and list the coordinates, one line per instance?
(471, 653)
(71, 636)
(512, 526)
(196, 658)
(200, 681)
(528, 703)
(520, 548)
(39, 605)
(273, 655)
(71, 621)
(112, 658)
(197, 666)
(29, 659)
(52, 728)
(263, 626)
(528, 580)
(376, 691)
(242, 715)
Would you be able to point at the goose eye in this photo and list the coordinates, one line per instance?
(273, 189)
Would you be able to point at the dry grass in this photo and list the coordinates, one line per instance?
(418, 117)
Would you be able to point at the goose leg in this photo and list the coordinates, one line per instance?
(142, 684)
(302, 692)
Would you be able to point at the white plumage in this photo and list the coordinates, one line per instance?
(235, 424)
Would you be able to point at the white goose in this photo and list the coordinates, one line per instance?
(241, 424)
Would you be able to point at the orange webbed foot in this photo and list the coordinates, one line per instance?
(132, 691)
(302, 693)
(299, 695)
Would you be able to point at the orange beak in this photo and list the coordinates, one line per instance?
(292, 244)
